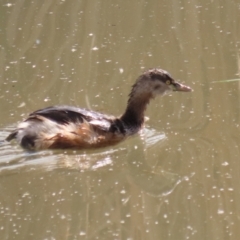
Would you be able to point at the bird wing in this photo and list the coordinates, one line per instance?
(67, 114)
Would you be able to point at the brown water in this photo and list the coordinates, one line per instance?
(180, 178)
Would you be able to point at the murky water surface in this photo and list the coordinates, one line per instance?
(179, 178)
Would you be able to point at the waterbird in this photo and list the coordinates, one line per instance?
(63, 127)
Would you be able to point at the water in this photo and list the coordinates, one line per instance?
(179, 178)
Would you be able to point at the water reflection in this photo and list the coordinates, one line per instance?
(135, 163)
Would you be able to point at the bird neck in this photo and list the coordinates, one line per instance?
(133, 117)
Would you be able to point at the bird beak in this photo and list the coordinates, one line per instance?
(181, 88)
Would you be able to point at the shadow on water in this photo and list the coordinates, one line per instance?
(132, 159)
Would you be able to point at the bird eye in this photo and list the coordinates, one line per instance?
(168, 82)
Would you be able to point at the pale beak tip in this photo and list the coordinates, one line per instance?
(183, 88)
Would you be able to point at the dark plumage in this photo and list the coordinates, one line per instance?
(72, 127)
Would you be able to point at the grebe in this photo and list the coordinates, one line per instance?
(61, 127)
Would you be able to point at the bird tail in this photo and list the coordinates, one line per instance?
(12, 136)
